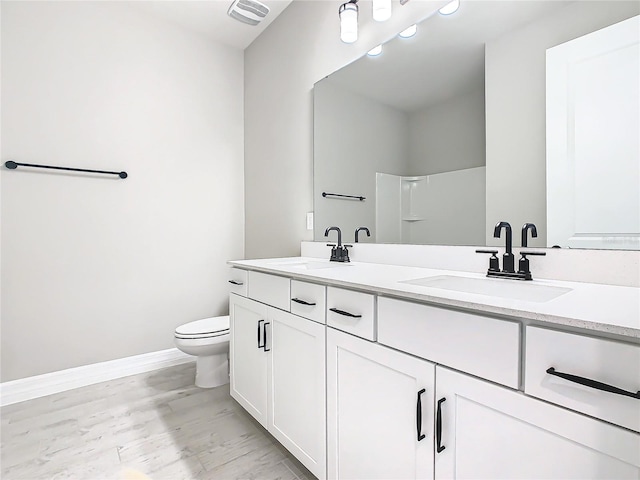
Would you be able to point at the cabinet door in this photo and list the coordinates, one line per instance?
(249, 360)
(297, 416)
(379, 403)
(493, 432)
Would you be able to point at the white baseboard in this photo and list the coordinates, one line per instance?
(41, 385)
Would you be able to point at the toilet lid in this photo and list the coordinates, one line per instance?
(206, 326)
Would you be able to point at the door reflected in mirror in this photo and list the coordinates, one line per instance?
(444, 133)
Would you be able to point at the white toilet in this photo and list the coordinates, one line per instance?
(208, 340)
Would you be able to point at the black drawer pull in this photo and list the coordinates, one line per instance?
(587, 382)
(265, 337)
(301, 302)
(421, 435)
(439, 447)
(259, 324)
(346, 314)
(236, 282)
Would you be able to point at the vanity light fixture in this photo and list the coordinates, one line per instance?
(450, 8)
(409, 32)
(381, 10)
(348, 13)
(375, 51)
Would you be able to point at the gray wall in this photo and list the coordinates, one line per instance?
(355, 137)
(299, 48)
(515, 104)
(95, 268)
(449, 135)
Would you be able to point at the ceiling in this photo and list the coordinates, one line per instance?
(445, 58)
(209, 17)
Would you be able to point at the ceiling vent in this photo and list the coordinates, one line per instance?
(250, 12)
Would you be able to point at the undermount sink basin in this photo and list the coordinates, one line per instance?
(309, 264)
(512, 289)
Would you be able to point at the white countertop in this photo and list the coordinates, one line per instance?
(601, 308)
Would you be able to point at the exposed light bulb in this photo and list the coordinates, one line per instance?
(375, 51)
(450, 8)
(409, 32)
(381, 10)
(348, 22)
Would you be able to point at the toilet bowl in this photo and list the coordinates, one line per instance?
(208, 341)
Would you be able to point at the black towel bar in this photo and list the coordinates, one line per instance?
(356, 197)
(13, 165)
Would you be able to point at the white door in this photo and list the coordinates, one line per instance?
(488, 431)
(379, 411)
(248, 356)
(297, 375)
(593, 139)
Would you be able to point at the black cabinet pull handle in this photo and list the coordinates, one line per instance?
(259, 324)
(421, 436)
(587, 382)
(235, 282)
(301, 302)
(439, 446)
(264, 328)
(346, 314)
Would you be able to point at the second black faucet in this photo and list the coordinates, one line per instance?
(508, 263)
(339, 252)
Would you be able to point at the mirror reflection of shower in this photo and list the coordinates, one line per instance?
(429, 209)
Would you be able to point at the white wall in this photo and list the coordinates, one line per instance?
(449, 135)
(349, 167)
(515, 104)
(97, 268)
(299, 48)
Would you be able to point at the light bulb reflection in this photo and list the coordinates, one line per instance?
(409, 32)
(450, 8)
(375, 51)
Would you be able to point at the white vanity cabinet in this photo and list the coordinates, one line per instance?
(379, 411)
(297, 388)
(595, 376)
(238, 281)
(488, 431)
(477, 344)
(362, 385)
(247, 356)
(278, 376)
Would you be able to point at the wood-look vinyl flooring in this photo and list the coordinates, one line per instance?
(157, 424)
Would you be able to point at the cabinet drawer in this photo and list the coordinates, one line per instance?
(605, 361)
(475, 344)
(269, 289)
(308, 300)
(238, 281)
(351, 312)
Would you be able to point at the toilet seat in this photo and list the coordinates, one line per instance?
(205, 328)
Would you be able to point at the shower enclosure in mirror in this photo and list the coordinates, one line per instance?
(445, 132)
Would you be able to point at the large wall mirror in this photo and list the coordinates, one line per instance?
(446, 133)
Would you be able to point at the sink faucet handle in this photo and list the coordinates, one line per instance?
(523, 263)
(494, 263)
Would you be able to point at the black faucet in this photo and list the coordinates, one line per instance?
(364, 229)
(507, 258)
(534, 233)
(339, 253)
(523, 273)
